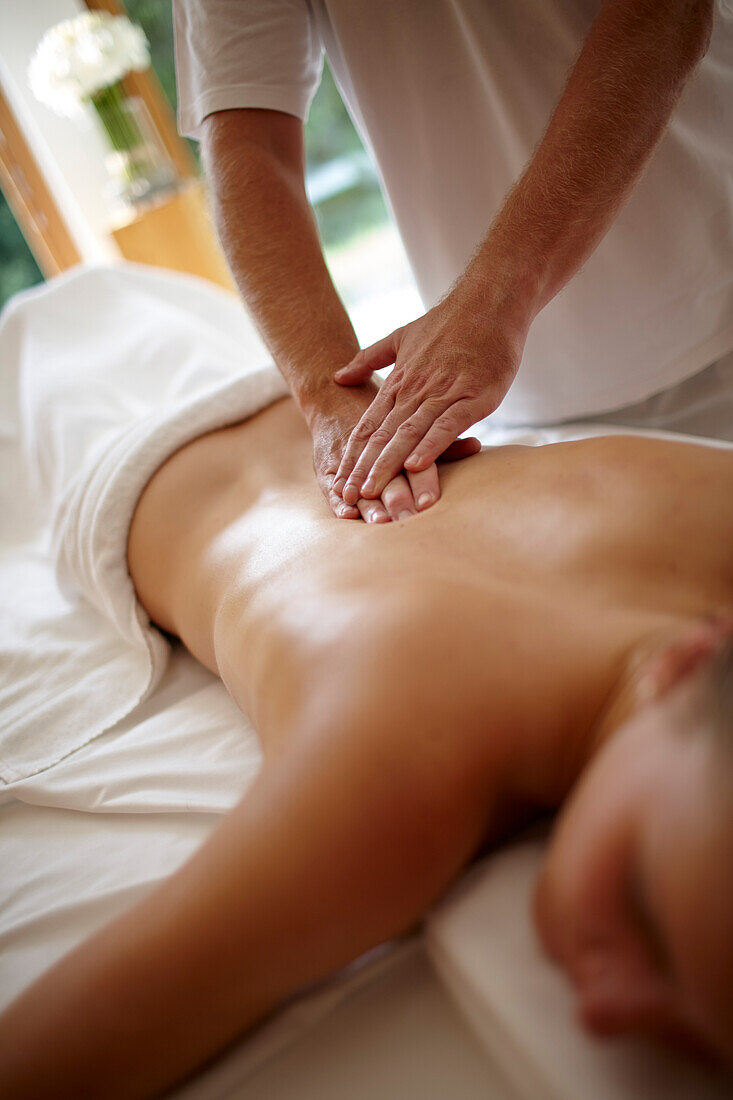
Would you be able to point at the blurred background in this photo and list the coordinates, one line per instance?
(58, 206)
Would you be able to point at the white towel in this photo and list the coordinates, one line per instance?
(110, 371)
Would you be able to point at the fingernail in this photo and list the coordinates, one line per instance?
(405, 515)
(338, 485)
(350, 494)
(368, 484)
(413, 458)
(424, 499)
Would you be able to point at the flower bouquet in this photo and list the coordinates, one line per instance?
(80, 64)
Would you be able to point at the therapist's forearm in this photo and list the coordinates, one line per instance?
(269, 234)
(613, 112)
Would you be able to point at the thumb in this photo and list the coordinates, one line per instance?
(366, 361)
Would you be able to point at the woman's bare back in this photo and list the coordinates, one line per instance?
(543, 566)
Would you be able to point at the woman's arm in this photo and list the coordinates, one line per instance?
(346, 838)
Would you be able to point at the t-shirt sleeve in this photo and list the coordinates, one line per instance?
(244, 53)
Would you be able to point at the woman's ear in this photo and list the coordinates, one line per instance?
(621, 989)
(683, 656)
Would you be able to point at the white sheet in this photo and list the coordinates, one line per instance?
(114, 369)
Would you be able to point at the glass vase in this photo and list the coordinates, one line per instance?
(138, 163)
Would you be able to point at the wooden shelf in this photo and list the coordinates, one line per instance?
(176, 232)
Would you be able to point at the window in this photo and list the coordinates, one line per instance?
(18, 269)
(362, 247)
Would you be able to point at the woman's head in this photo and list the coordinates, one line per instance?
(636, 897)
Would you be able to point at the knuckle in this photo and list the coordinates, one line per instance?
(381, 437)
(359, 473)
(410, 385)
(465, 388)
(410, 431)
(363, 431)
(444, 423)
(435, 388)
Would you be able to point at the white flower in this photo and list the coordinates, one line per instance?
(76, 58)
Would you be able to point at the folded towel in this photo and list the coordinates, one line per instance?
(112, 371)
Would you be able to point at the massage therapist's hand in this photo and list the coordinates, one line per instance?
(453, 366)
(332, 423)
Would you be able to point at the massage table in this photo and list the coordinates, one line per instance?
(464, 1007)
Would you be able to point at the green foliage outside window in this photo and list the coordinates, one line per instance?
(18, 269)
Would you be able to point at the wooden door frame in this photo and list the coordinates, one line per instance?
(30, 200)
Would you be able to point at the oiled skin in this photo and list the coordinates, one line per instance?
(543, 567)
(419, 688)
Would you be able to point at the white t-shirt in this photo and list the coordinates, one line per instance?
(451, 97)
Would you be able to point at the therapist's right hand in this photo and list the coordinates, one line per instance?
(332, 423)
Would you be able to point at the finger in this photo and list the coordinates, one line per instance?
(398, 499)
(370, 420)
(462, 448)
(381, 440)
(373, 511)
(340, 509)
(361, 433)
(366, 361)
(442, 434)
(388, 457)
(425, 487)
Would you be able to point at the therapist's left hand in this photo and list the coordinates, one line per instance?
(453, 366)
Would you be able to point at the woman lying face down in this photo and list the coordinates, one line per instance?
(551, 628)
